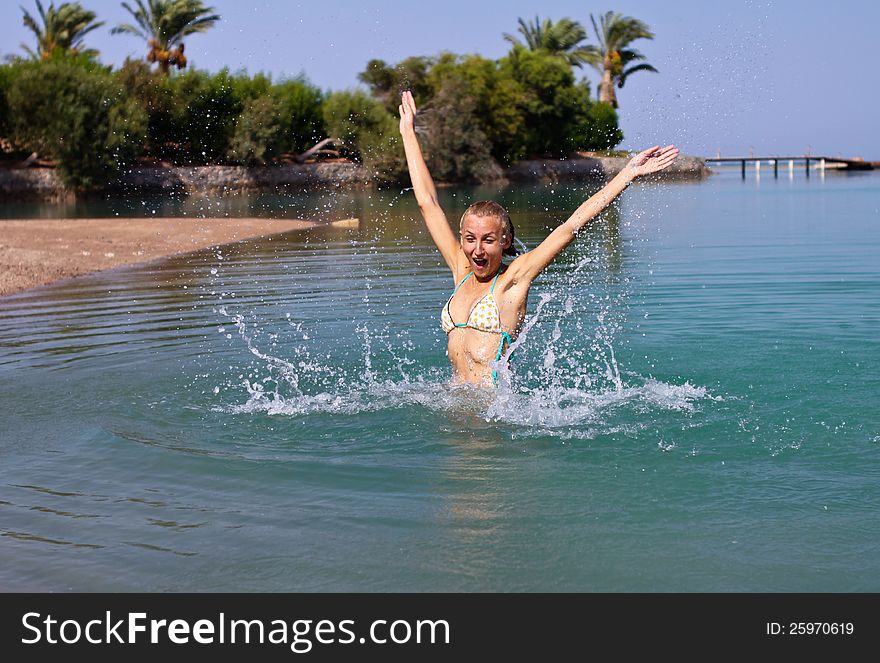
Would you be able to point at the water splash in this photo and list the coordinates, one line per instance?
(566, 382)
(276, 387)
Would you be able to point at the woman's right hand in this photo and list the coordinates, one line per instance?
(652, 160)
(407, 110)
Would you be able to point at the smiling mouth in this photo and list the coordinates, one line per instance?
(480, 262)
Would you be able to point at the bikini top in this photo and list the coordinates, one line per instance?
(484, 316)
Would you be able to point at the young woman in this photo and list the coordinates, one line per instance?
(488, 305)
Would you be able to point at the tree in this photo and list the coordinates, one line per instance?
(62, 29)
(259, 134)
(5, 81)
(368, 132)
(80, 117)
(613, 58)
(276, 118)
(387, 82)
(562, 38)
(550, 103)
(164, 24)
(596, 127)
(497, 97)
(204, 109)
(456, 148)
(300, 112)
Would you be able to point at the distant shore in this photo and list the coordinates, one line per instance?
(34, 252)
(593, 167)
(43, 183)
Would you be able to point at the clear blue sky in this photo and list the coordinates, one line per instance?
(739, 75)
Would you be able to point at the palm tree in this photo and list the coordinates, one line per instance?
(562, 38)
(164, 24)
(63, 29)
(613, 58)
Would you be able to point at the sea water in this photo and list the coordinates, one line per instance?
(691, 405)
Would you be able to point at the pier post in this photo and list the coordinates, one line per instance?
(776, 168)
(807, 162)
(743, 168)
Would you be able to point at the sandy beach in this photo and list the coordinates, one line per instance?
(35, 252)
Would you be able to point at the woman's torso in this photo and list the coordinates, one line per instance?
(486, 316)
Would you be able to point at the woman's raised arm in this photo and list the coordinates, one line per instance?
(529, 265)
(423, 186)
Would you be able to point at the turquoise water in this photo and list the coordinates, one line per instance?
(691, 408)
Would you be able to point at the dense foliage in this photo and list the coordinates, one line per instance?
(93, 122)
(199, 118)
(368, 133)
(476, 115)
(5, 80)
(79, 116)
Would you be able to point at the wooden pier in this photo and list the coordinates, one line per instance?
(819, 162)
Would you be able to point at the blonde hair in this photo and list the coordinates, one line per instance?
(489, 208)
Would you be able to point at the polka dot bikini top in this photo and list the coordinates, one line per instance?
(484, 315)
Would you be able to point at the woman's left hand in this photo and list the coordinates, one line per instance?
(652, 160)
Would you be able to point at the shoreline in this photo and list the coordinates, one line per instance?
(552, 171)
(42, 184)
(37, 252)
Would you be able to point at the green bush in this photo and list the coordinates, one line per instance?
(550, 105)
(355, 118)
(497, 101)
(301, 113)
(474, 114)
(202, 117)
(456, 148)
(369, 133)
(191, 116)
(5, 80)
(246, 87)
(78, 116)
(597, 128)
(526, 104)
(152, 91)
(198, 118)
(259, 133)
(387, 82)
(276, 118)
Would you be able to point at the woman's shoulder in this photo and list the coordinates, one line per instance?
(511, 275)
(460, 274)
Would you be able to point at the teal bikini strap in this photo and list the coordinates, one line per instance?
(460, 283)
(505, 338)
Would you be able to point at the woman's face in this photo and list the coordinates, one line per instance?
(483, 242)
